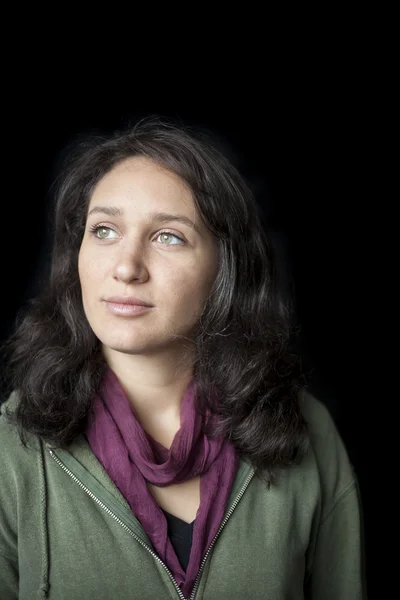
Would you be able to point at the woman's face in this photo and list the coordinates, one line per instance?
(131, 251)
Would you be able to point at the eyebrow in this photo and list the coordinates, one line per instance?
(161, 217)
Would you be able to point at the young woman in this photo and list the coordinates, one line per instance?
(159, 440)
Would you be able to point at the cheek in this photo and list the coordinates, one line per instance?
(189, 288)
(83, 270)
(89, 268)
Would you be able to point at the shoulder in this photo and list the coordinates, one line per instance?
(19, 462)
(316, 413)
(11, 403)
(12, 452)
(327, 452)
(19, 484)
(8, 433)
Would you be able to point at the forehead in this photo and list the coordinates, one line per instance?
(140, 189)
(140, 179)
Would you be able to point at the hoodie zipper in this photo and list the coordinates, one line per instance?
(230, 511)
(158, 559)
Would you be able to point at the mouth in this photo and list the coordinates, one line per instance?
(127, 310)
(128, 300)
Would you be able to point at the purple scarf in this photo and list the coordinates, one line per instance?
(130, 457)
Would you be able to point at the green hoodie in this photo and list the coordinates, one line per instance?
(67, 532)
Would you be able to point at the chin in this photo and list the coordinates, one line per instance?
(131, 346)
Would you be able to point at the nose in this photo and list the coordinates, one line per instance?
(130, 265)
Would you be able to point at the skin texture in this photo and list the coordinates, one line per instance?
(128, 256)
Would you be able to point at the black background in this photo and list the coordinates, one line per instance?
(303, 151)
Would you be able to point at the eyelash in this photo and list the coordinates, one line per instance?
(95, 228)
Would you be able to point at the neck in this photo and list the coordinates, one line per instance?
(154, 384)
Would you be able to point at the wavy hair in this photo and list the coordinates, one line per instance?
(243, 338)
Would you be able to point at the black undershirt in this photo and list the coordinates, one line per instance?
(180, 533)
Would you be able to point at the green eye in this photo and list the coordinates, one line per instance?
(98, 228)
(101, 229)
(169, 234)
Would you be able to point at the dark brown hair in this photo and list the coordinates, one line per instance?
(243, 338)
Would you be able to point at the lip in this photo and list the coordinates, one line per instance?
(127, 310)
(128, 300)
